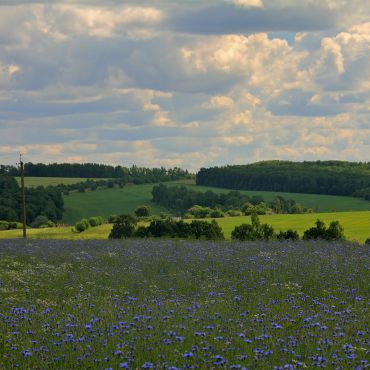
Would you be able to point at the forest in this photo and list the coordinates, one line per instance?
(320, 177)
(209, 204)
(41, 201)
(95, 170)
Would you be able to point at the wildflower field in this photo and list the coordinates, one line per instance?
(170, 304)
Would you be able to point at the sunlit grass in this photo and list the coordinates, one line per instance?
(356, 226)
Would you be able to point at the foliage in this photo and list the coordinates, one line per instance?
(40, 201)
(253, 231)
(10, 225)
(94, 170)
(288, 235)
(367, 241)
(320, 177)
(95, 221)
(169, 228)
(124, 227)
(82, 225)
(143, 211)
(334, 232)
(40, 221)
(200, 204)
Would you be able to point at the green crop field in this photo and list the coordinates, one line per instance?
(356, 226)
(33, 182)
(105, 202)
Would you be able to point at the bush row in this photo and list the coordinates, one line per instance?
(125, 226)
(84, 224)
(10, 225)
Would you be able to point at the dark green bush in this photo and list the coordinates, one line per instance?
(82, 225)
(333, 232)
(206, 230)
(288, 235)
(143, 211)
(367, 241)
(254, 231)
(95, 221)
(124, 227)
(39, 221)
(4, 225)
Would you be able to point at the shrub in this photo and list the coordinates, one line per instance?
(206, 230)
(4, 225)
(199, 211)
(234, 213)
(124, 227)
(161, 227)
(288, 235)
(367, 241)
(143, 211)
(141, 232)
(334, 232)
(39, 221)
(112, 219)
(216, 213)
(82, 225)
(254, 231)
(95, 221)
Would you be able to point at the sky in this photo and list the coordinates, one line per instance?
(184, 83)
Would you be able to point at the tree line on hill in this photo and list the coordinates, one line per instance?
(126, 226)
(320, 177)
(95, 170)
(41, 201)
(196, 204)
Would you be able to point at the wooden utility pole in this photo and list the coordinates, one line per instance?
(23, 197)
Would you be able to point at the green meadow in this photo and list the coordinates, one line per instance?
(356, 226)
(105, 202)
(317, 202)
(33, 182)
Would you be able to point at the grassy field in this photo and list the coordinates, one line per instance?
(174, 305)
(106, 202)
(317, 202)
(112, 201)
(33, 182)
(356, 226)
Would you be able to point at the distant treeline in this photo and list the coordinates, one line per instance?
(181, 199)
(94, 170)
(320, 177)
(41, 201)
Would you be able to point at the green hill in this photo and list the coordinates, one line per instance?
(125, 200)
(105, 202)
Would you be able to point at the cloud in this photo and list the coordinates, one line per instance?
(142, 82)
(232, 19)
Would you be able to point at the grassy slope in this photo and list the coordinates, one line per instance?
(356, 226)
(107, 202)
(46, 181)
(125, 200)
(319, 203)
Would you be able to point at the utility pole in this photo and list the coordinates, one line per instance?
(21, 165)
